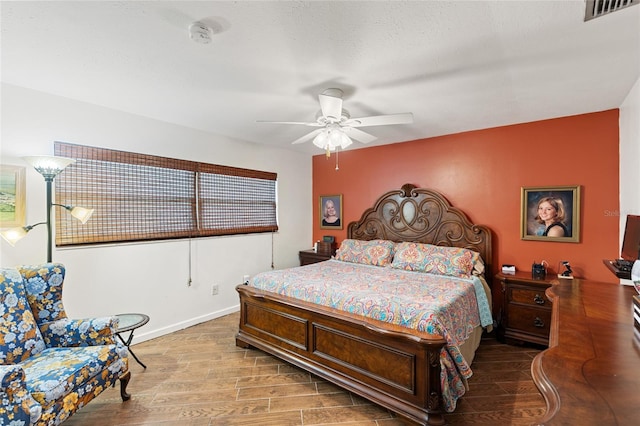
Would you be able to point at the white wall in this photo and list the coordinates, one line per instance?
(629, 158)
(630, 154)
(150, 277)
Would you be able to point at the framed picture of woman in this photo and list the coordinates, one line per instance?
(551, 213)
(12, 196)
(331, 211)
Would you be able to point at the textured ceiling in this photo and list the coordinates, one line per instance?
(456, 65)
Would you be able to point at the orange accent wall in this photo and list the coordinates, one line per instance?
(482, 172)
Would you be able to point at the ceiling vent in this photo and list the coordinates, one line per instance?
(598, 8)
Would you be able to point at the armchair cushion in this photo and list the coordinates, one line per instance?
(20, 337)
(56, 372)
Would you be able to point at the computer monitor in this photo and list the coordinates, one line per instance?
(631, 241)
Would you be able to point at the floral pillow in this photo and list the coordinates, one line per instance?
(374, 252)
(452, 261)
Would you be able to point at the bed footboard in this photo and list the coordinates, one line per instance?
(380, 362)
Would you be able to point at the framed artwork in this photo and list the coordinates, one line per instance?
(551, 213)
(331, 211)
(12, 196)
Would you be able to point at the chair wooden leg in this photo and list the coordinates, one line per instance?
(124, 381)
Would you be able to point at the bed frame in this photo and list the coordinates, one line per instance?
(386, 364)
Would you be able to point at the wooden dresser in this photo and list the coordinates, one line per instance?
(590, 375)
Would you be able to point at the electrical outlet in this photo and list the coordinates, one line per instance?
(214, 289)
(245, 279)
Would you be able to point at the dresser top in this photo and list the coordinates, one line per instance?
(590, 374)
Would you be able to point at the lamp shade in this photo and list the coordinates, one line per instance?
(335, 139)
(321, 140)
(81, 213)
(13, 235)
(345, 140)
(48, 166)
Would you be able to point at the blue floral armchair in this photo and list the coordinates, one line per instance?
(50, 365)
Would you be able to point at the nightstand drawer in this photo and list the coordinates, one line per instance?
(530, 320)
(533, 297)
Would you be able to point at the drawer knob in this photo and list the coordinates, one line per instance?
(538, 322)
(538, 299)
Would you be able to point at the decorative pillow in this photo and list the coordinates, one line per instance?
(21, 336)
(452, 261)
(374, 252)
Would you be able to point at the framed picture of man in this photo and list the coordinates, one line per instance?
(331, 211)
(551, 213)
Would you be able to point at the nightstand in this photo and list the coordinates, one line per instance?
(310, 256)
(526, 311)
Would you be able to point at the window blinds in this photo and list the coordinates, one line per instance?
(141, 197)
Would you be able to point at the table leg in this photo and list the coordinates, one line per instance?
(127, 343)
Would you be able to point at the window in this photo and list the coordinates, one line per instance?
(141, 197)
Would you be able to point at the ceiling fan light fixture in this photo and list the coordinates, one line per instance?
(321, 140)
(335, 139)
(345, 141)
(331, 138)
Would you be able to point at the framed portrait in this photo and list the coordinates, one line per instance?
(12, 196)
(331, 211)
(551, 213)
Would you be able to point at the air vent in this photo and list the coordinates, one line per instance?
(598, 8)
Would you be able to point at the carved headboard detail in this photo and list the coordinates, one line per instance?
(421, 215)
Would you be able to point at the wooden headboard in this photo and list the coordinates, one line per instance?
(425, 216)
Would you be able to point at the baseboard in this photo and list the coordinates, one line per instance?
(140, 337)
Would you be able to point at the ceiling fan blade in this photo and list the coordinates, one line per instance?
(331, 106)
(307, 137)
(303, 123)
(381, 120)
(359, 135)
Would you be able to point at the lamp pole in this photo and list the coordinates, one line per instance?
(49, 181)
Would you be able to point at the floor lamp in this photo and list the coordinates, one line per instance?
(49, 168)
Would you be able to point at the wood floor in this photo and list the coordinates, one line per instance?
(198, 377)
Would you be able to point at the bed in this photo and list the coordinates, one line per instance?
(406, 363)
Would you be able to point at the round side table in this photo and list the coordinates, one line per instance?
(130, 322)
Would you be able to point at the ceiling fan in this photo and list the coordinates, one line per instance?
(337, 128)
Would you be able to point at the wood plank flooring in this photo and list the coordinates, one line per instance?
(198, 377)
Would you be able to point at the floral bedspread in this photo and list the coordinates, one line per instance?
(436, 304)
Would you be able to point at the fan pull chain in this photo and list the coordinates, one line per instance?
(337, 168)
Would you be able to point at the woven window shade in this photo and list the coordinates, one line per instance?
(140, 197)
(233, 204)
